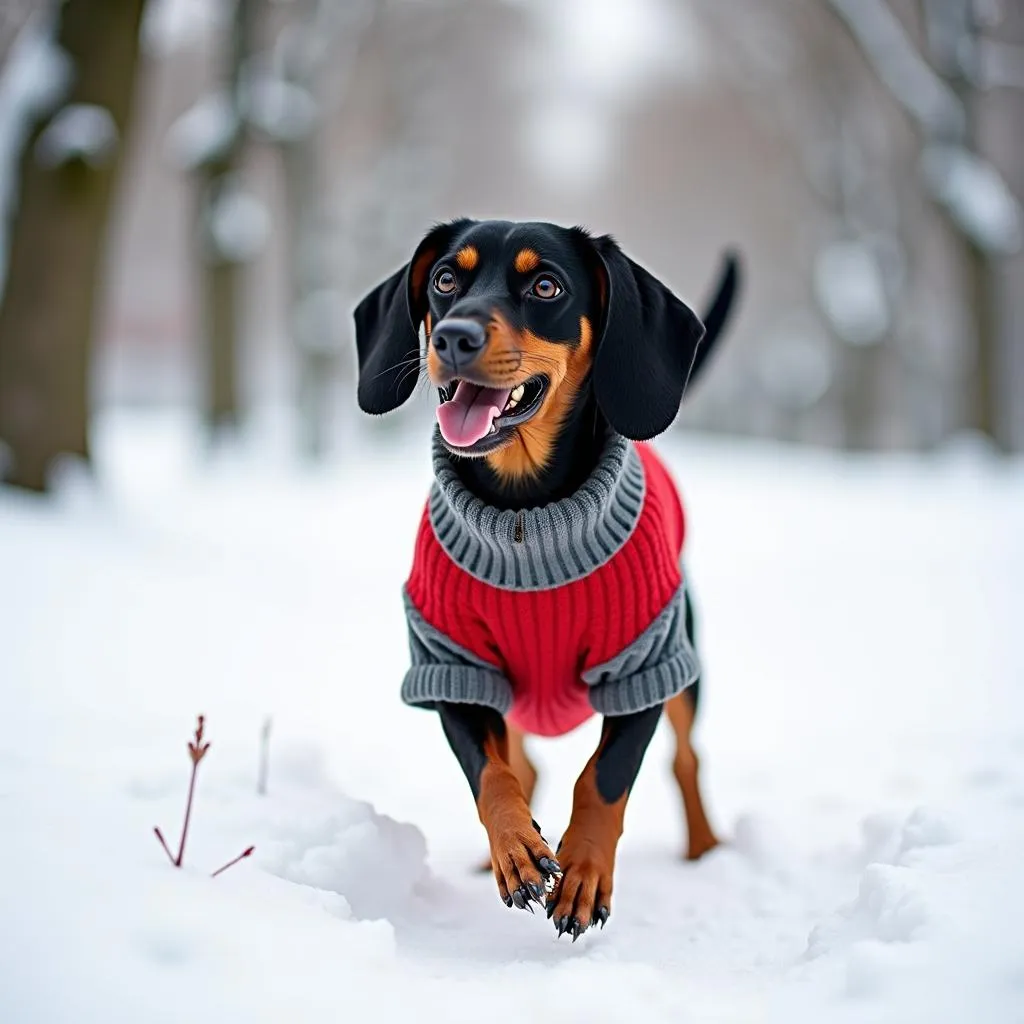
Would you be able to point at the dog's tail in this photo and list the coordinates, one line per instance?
(717, 316)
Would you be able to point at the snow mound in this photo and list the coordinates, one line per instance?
(374, 862)
(887, 908)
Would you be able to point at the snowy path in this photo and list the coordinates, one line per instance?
(862, 726)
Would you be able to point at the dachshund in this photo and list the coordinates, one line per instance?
(547, 583)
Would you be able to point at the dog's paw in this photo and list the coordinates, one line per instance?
(524, 868)
(582, 897)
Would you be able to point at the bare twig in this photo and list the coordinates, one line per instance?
(231, 863)
(264, 769)
(197, 749)
(163, 843)
(196, 752)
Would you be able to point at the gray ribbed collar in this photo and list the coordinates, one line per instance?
(539, 548)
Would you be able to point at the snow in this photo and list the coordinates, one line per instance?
(851, 292)
(203, 132)
(238, 223)
(976, 195)
(796, 366)
(280, 110)
(862, 731)
(79, 131)
(169, 25)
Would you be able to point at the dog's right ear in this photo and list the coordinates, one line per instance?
(388, 326)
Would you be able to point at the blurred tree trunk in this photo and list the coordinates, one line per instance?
(983, 394)
(942, 94)
(984, 412)
(321, 36)
(222, 267)
(56, 256)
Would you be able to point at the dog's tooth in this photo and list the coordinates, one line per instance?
(517, 393)
(494, 428)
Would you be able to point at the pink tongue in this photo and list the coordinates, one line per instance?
(469, 415)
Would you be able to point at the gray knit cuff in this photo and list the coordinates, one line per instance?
(660, 663)
(428, 685)
(444, 672)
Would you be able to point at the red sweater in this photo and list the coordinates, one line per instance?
(556, 637)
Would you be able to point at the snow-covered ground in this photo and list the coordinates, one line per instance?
(862, 730)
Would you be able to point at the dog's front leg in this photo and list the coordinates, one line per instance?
(583, 896)
(521, 859)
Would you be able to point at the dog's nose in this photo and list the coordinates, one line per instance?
(458, 341)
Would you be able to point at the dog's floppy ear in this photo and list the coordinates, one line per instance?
(645, 348)
(388, 327)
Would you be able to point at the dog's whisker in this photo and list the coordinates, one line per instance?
(417, 369)
(410, 358)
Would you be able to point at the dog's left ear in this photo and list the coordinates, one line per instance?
(645, 348)
(388, 327)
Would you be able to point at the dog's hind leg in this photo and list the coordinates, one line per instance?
(520, 763)
(680, 712)
(686, 765)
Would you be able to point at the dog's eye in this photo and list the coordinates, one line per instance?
(546, 287)
(444, 282)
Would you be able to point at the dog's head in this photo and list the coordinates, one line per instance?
(522, 323)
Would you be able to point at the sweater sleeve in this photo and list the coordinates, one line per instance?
(443, 672)
(657, 665)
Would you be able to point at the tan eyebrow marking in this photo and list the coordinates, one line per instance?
(467, 257)
(526, 260)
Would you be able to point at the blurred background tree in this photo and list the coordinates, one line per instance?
(284, 155)
(66, 95)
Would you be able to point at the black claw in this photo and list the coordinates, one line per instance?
(577, 929)
(601, 916)
(522, 898)
(551, 908)
(507, 900)
(561, 925)
(549, 866)
(536, 891)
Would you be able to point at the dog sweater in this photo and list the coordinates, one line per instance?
(551, 614)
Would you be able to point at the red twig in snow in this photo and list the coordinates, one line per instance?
(196, 751)
(163, 843)
(232, 863)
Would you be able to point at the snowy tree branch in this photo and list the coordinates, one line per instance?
(899, 66)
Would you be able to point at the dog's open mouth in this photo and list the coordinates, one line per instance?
(475, 419)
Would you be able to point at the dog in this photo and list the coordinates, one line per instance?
(547, 583)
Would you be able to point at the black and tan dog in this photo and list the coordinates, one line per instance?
(546, 583)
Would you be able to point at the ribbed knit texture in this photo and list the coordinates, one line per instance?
(565, 649)
(538, 548)
(443, 671)
(658, 664)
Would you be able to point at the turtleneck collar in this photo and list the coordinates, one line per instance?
(539, 548)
